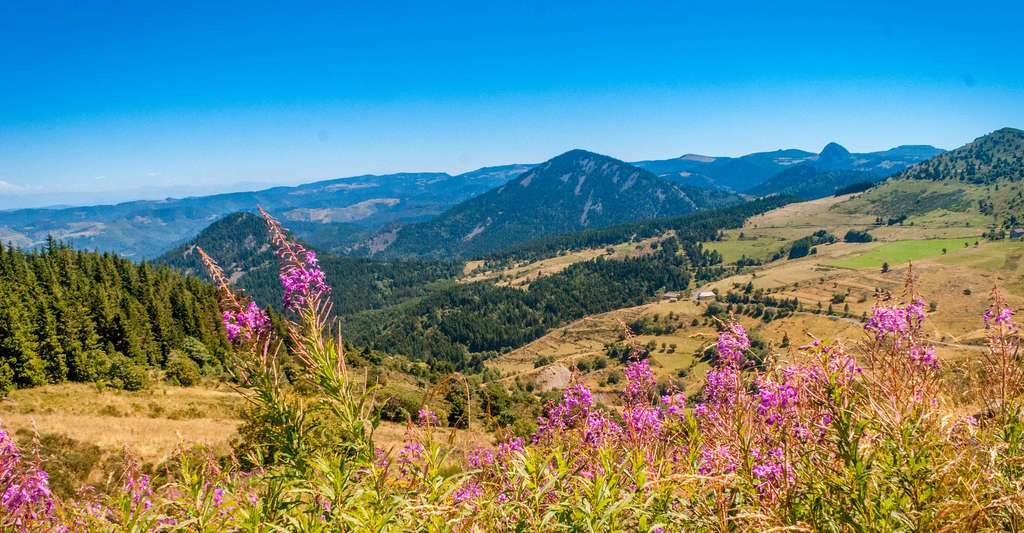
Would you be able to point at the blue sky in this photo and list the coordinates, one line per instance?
(140, 98)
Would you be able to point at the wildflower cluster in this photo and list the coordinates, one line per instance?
(25, 498)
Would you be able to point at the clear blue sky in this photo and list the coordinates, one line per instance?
(97, 97)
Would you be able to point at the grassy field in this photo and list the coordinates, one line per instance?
(901, 252)
(760, 247)
(522, 273)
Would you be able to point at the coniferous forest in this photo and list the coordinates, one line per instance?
(70, 315)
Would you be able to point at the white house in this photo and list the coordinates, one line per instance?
(704, 296)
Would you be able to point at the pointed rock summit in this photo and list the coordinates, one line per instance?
(833, 155)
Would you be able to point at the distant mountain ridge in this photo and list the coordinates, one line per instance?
(807, 182)
(751, 172)
(340, 208)
(575, 190)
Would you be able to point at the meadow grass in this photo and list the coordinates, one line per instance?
(901, 251)
(761, 247)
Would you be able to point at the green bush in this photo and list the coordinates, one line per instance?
(126, 374)
(399, 405)
(182, 370)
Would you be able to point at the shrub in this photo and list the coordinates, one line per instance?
(858, 236)
(127, 374)
(399, 405)
(182, 370)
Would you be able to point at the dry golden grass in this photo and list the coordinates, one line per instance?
(838, 214)
(151, 423)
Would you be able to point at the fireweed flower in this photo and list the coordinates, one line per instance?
(642, 420)
(301, 277)
(721, 387)
(673, 404)
(302, 281)
(408, 456)
(924, 356)
(244, 324)
(771, 470)
(480, 457)
(732, 343)
(469, 491)
(999, 316)
(427, 418)
(573, 409)
(25, 496)
(138, 487)
(640, 383)
(887, 320)
(512, 445)
(719, 459)
(600, 429)
(777, 402)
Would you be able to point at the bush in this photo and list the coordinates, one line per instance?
(858, 236)
(800, 248)
(182, 370)
(127, 374)
(398, 405)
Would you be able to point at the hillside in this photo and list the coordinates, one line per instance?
(993, 157)
(576, 190)
(979, 185)
(239, 242)
(807, 181)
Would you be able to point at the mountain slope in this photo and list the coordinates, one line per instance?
(980, 185)
(808, 182)
(239, 243)
(996, 156)
(576, 190)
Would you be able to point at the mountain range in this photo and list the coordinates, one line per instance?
(748, 172)
(364, 213)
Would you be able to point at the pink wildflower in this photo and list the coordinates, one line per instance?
(469, 491)
(732, 343)
(427, 418)
(640, 383)
(244, 324)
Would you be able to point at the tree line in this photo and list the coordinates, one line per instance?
(68, 315)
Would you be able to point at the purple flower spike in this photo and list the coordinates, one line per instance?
(732, 343)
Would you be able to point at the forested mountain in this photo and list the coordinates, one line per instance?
(576, 190)
(331, 213)
(807, 181)
(754, 171)
(240, 243)
(71, 315)
(699, 226)
(459, 326)
(996, 156)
